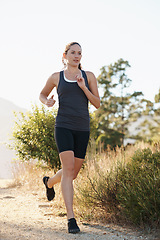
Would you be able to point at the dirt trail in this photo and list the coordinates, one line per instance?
(26, 215)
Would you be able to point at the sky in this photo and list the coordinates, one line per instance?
(34, 33)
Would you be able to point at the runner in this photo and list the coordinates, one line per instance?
(74, 88)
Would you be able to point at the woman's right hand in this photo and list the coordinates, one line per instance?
(50, 102)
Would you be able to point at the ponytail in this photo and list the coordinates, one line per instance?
(79, 66)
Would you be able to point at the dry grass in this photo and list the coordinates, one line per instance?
(28, 175)
(95, 165)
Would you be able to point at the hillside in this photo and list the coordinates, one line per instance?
(7, 117)
(6, 123)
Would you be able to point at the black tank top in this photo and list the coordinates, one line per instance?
(73, 105)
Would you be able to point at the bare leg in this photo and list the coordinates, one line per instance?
(70, 169)
(57, 177)
(67, 160)
(77, 166)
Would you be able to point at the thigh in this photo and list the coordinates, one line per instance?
(81, 139)
(68, 162)
(78, 162)
(64, 139)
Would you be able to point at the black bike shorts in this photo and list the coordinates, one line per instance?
(72, 140)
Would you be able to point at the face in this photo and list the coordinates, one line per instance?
(74, 55)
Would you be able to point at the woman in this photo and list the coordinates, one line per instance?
(74, 87)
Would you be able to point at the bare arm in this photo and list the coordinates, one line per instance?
(92, 95)
(50, 84)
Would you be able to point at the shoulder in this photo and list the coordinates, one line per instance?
(54, 78)
(90, 76)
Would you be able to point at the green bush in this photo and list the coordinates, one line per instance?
(33, 136)
(100, 191)
(96, 190)
(126, 188)
(139, 187)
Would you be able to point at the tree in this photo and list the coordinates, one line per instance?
(33, 136)
(117, 106)
(153, 110)
(149, 123)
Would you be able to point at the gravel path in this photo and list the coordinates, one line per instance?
(27, 215)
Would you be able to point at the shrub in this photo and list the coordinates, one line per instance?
(96, 187)
(139, 187)
(122, 185)
(100, 190)
(33, 136)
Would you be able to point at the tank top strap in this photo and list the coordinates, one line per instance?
(61, 75)
(85, 78)
(60, 80)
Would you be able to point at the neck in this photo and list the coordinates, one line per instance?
(72, 69)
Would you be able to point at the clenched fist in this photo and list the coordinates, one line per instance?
(50, 102)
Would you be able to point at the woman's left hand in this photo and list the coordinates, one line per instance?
(80, 81)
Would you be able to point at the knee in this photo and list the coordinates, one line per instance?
(69, 172)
